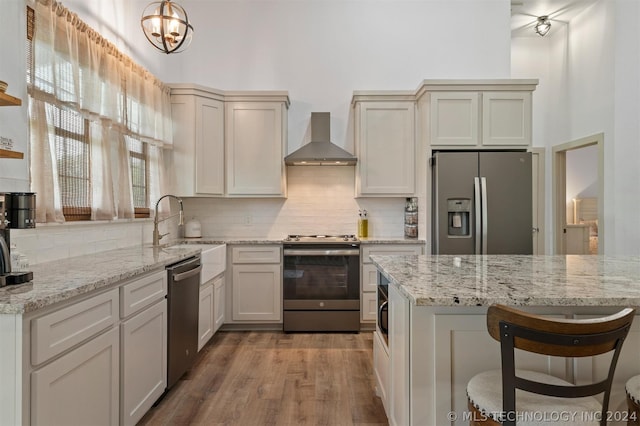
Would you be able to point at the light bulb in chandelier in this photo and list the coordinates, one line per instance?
(543, 26)
(166, 26)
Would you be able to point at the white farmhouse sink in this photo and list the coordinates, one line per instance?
(213, 258)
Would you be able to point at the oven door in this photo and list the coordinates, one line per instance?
(321, 278)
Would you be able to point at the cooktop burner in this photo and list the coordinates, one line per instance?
(320, 238)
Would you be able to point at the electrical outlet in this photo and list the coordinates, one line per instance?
(247, 219)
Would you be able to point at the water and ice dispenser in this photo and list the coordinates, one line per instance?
(459, 212)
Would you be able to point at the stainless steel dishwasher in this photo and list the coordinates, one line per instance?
(183, 300)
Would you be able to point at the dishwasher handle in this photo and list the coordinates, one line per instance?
(184, 275)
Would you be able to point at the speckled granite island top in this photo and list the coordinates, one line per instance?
(514, 280)
(63, 279)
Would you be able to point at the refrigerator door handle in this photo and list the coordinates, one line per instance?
(477, 203)
(485, 225)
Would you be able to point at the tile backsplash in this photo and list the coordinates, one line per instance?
(320, 200)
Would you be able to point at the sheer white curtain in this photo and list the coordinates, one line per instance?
(76, 69)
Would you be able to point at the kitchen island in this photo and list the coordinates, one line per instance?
(437, 324)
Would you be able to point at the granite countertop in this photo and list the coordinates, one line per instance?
(514, 280)
(61, 280)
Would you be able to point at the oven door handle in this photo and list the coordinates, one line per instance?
(321, 252)
(381, 309)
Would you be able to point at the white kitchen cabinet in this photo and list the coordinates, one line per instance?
(399, 379)
(385, 144)
(144, 361)
(198, 147)
(369, 273)
(205, 315)
(218, 303)
(478, 114)
(256, 137)
(81, 387)
(143, 334)
(381, 369)
(454, 119)
(256, 283)
(214, 263)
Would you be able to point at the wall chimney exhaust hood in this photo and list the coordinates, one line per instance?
(320, 151)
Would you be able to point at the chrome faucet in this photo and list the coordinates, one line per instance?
(157, 236)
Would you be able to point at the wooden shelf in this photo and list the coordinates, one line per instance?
(11, 154)
(8, 100)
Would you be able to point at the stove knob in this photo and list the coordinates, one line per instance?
(297, 238)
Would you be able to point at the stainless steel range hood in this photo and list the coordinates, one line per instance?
(320, 151)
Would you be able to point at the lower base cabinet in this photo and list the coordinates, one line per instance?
(381, 369)
(212, 305)
(205, 315)
(144, 362)
(219, 302)
(59, 391)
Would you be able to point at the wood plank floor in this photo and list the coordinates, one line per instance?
(273, 378)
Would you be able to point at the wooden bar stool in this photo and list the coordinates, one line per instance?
(540, 397)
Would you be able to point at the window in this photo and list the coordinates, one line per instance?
(93, 115)
(138, 160)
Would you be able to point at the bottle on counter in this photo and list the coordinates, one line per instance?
(363, 225)
(411, 218)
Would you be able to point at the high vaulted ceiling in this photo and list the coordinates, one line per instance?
(524, 13)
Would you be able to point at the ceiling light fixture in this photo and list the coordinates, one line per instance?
(166, 26)
(543, 26)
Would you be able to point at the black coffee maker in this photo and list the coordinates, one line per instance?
(17, 211)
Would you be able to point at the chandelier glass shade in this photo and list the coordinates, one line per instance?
(543, 26)
(166, 26)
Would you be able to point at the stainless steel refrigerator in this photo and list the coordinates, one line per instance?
(482, 203)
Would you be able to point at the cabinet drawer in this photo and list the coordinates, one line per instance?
(390, 250)
(143, 292)
(58, 331)
(255, 254)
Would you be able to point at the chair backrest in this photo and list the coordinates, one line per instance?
(556, 337)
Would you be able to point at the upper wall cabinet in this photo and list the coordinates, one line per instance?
(492, 114)
(385, 145)
(227, 143)
(255, 133)
(198, 141)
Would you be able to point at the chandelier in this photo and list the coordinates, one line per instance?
(543, 26)
(166, 26)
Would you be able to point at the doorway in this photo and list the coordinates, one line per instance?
(578, 196)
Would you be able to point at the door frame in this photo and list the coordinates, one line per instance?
(559, 179)
(538, 191)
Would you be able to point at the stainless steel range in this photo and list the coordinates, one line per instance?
(321, 283)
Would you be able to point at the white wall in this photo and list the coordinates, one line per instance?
(321, 51)
(593, 87)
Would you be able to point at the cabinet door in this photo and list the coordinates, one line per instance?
(144, 361)
(209, 158)
(257, 292)
(506, 119)
(80, 388)
(205, 315)
(218, 303)
(369, 306)
(381, 369)
(454, 119)
(197, 159)
(385, 147)
(254, 148)
(399, 380)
